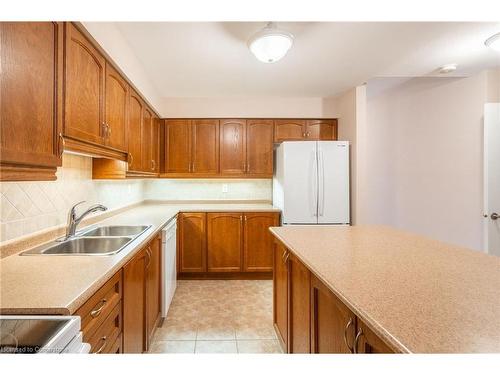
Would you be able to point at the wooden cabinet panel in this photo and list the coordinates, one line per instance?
(323, 130)
(258, 241)
(224, 242)
(134, 297)
(146, 140)
(153, 297)
(116, 109)
(155, 144)
(332, 323)
(31, 56)
(369, 342)
(177, 146)
(280, 294)
(232, 147)
(299, 306)
(103, 340)
(135, 131)
(259, 143)
(84, 88)
(205, 146)
(289, 130)
(192, 253)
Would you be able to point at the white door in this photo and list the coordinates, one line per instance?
(333, 181)
(300, 183)
(492, 177)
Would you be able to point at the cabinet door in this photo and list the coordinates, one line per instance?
(31, 56)
(259, 147)
(177, 146)
(321, 130)
(332, 323)
(205, 146)
(258, 241)
(232, 147)
(116, 109)
(368, 341)
(134, 298)
(146, 141)
(155, 144)
(192, 253)
(84, 88)
(289, 130)
(135, 132)
(224, 241)
(299, 306)
(153, 297)
(280, 294)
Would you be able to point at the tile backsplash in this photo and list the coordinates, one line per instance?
(28, 207)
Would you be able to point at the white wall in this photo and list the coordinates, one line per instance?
(424, 157)
(115, 45)
(247, 107)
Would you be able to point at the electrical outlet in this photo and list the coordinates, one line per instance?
(224, 188)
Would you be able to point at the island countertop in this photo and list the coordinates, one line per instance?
(419, 295)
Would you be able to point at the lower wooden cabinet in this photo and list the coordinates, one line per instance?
(226, 244)
(310, 318)
(141, 297)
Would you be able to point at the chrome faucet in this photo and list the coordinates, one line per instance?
(73, 220)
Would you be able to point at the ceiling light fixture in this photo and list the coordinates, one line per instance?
(448, 68)
(493, 42)
(270, 44)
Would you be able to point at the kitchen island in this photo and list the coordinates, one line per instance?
(408, 293)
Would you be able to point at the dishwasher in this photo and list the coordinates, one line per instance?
(169, 264)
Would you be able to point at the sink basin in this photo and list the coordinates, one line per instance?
(116, 230)
(83, 246)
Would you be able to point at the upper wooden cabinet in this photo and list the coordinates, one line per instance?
(205, 147)
(116, 110)
(305, 130)
(233, 147)
(84, 88)
(146, 140)
(31, 55)
(177, 153)
(134, 131)
(155, 144)
(259, 148)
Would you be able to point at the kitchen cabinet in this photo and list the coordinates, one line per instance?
(134, 303)
(146, 140)
(305, 130)
(258, 241)
(205, 147)
(192, 251)
(155, 144)
(259, 148)
(332, 323)
(224, 241)
(366, 341)
(31, 86)
(177, 154)
(116, 109)
(153, 287)
(134, 129)
(280, 294)
(233, 147)
(299, 306)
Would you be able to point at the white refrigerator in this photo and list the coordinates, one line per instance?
(311, 182)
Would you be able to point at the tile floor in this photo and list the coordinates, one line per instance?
(219, 316)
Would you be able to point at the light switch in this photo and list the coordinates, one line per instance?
(224, 188)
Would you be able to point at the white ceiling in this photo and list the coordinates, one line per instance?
(211, 59)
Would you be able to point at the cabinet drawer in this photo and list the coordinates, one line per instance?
(103, 340)
(117, 346)
(98, 307)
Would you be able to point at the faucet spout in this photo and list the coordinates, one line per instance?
(73, 220)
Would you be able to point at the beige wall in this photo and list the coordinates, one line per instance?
(248, 107)
(424, 157)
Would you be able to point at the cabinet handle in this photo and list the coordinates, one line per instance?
(349, 323)
(99, 351)
(148, 251)
(286, 258)
(61, 144)
(356, 340)
(103, 130)
(153, 165)
(108, 129)
(303, 134)
(131, 159)
(283, 255)
(95, 313)
(308, 134)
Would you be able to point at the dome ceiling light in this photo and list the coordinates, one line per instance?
(270, 44)
(493, 42)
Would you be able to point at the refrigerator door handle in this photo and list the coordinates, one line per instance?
(313, 193)
(321, 182)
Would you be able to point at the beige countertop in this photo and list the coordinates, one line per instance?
(418, 294)
(39, 284)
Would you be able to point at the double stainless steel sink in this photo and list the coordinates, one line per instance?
(105, 240)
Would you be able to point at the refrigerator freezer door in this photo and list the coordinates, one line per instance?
(333, 181)
(300, 183)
